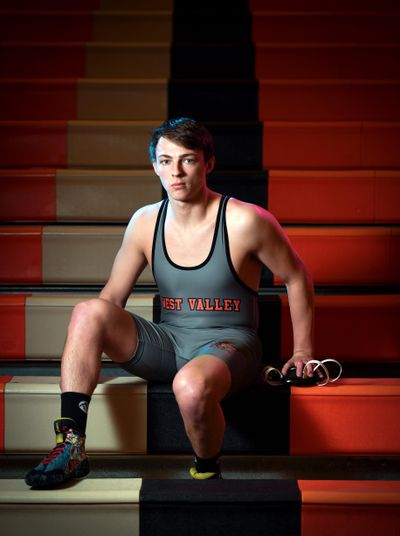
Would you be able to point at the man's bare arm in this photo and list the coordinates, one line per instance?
(272, 247)
(130, 260)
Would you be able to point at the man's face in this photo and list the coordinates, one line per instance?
(182, 171)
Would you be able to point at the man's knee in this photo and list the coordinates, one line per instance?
(193, 392)
(89, 314)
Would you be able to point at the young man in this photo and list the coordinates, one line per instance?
(206, 252)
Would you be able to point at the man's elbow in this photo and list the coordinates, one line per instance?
(300, 276)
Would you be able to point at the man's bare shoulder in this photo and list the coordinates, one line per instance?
(247, 216)
(144, 216)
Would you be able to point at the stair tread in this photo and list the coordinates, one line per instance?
(234, 466)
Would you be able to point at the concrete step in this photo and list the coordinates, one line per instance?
(83, 195)
(93, 144)
(84, 5)
(25, 317)
(129, 416)
(234, 466)
(115, 144)
(61, 254)
(327, 60)
(146, 507)
(349, 255)
(76, 195)
(326, 26)
(84, 60)
(330, 145)
(88, 98)
(102, 196)
(329, 100)
(334, 196)
(323, 6)
(81, 26)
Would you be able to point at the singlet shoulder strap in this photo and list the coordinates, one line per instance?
(221, 219)
(157, 237)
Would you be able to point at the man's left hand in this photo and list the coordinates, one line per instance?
(299, 360)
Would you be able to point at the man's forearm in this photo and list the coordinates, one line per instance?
(301, 302)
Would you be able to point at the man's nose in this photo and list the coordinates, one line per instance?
(176, 169)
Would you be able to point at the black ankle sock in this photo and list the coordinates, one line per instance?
(75, 406)
(207, 465)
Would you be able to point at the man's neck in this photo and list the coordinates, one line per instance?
(190, 213)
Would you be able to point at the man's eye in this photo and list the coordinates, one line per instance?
(164, 162)
(189, 160)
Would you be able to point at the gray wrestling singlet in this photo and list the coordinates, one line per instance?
(206, 296)
(205, 310)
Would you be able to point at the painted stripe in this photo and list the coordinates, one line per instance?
(329, 100)
(352, 317)
(12, 326)
(28, 195)
(42, 60)
(62, 5)
(350, 507)
(46, 26)
(367, 492)
(33, 144)
(330, 145)
(352, 417)
(239, 506)
(327, 61)
(22, 254)
(3, 381)
(325, 27)
(348, 255)
(326, 196)
(236, 507)
(38, 100)
(334, 196)
(387, 188)
(315, 5)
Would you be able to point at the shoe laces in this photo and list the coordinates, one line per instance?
(53, 454)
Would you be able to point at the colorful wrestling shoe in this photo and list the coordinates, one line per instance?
(204, 476)
(322, 374)
(67, 460)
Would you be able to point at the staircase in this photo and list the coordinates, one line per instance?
(303, 102)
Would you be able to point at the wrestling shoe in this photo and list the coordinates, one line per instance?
(67, 459)
(321, 374)
(204, 476)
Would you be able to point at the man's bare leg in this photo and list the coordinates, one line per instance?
(96, 326)
(199, 388)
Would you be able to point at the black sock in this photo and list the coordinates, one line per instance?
(207, 465)
(75, 406)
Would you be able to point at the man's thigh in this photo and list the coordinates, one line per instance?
(240, 352)
(154, 357)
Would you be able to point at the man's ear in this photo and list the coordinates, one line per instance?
(155, 168)
(210, 164)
